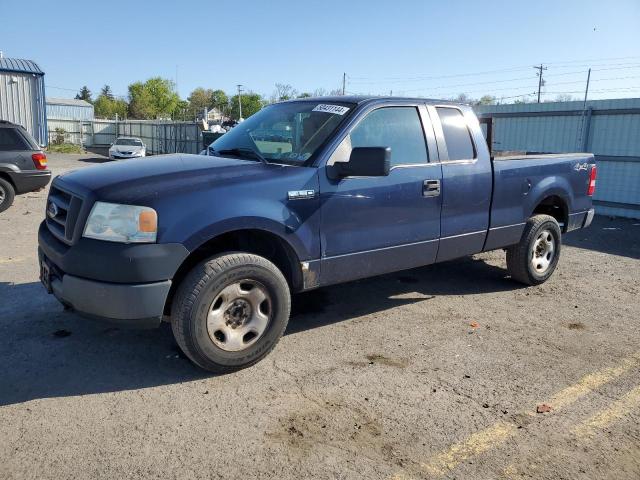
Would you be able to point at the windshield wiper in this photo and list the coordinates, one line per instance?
(243, 153)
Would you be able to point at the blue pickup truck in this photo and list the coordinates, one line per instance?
(303, 194)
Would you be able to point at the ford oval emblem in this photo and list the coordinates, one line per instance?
(52, 210)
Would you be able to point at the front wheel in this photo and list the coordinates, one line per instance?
(534, 259)
(230, 311)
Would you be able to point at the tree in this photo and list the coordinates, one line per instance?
(182, 111)
(565, 98)
(251, 103)
(304, 95)
(283, 91)
(106, 107)
(219, 100)
(463, 98)
(486, 100)
(106, 91)
(84, 94)
(152, 99)
(200, 99)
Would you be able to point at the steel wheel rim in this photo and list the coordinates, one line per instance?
(2, 194)
(543, 251)
(239, 315)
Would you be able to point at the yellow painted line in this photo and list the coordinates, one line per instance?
(496, 434)
(592, 381)
(618, 409)
(475, 444)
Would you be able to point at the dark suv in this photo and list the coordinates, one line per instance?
(23, 165)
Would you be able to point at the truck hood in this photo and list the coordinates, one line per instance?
(146, 178)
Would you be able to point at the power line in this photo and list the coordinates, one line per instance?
(418, 78)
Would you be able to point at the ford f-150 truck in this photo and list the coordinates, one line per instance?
(303, 194)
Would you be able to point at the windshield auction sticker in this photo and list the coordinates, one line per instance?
(337, 109)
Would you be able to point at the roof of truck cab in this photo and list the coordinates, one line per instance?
(361, 99)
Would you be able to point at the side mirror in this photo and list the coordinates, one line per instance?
(365, 162)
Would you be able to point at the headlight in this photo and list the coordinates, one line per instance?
(121, 223)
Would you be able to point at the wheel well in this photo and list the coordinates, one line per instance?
(259, 242)
(5, 176)
(555, 207)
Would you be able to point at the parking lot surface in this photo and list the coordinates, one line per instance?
(447, 371)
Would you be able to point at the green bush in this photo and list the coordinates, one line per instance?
(65, 148)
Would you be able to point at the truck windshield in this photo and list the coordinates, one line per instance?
(289, 133)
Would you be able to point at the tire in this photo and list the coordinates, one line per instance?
(534, 259)
(220, 320)
(7, 194)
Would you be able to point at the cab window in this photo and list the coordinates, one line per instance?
(396, 127)
(456, 134)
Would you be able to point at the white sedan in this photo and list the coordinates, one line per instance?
(127, 147)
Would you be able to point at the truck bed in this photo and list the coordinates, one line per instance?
(521, 182)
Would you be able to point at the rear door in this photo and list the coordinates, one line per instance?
(373, 225)
(467, 181)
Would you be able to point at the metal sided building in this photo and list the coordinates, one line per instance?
(22, 98)
(610, 129)
(74, 117)
(68, 109)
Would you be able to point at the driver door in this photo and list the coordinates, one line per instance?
(374, 225)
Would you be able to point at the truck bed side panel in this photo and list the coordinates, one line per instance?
(522, 183)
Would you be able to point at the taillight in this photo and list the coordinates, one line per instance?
(592, 181)
(39, 160)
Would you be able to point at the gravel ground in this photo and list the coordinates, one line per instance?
(436, 372)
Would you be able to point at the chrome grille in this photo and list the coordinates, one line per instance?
(62, 213)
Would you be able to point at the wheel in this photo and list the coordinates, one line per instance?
(7, 194)
(533, 260)
(230, 311)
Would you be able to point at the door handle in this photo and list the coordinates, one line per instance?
(431, 188)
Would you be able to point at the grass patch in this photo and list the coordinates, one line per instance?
(65, 148)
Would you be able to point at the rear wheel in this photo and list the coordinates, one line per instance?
(534, 259)
(7, 194)
(230, 311)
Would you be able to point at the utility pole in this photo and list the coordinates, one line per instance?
(540, 82)
(240, 100)
(586, 90)
(581, 144)
(344, 83)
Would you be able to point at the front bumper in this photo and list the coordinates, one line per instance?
(136, 305)
(122, 156)
(124, 283)
(30, 180)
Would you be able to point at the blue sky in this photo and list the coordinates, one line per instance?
(410, 47)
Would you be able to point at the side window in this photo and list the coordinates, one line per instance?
(10, 140)
(396, 127)
(456, 134)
